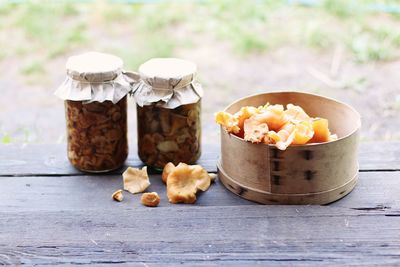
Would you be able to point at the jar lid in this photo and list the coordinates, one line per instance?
(161, 71)
(169, 82)
(94, 76)
(94, 67)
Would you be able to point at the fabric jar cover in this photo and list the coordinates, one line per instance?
(166, 82)
(94, 77)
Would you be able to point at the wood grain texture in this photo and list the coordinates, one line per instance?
(91, 193)
(66, 193)
(239, 234)
(72, 220)
(51, 160)
(20, 160)
(380, 156)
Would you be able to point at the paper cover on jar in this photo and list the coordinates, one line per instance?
(169, 82)
(94, 77)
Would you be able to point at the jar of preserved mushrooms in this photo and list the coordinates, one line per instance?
(95, 93)
(168, 103)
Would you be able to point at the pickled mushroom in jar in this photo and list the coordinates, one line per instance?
(97, 134)
(169, 135)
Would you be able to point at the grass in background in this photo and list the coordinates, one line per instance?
(20, 135)
(242, 23)
(5, 138)
(135, 56)
(49, 25)
(74, 37)
(33, 68)
(345, 8)
(369, 35)
(374, 43)
(149, 33)
(251, 26)
(40, 30)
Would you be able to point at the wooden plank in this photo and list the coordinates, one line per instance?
(91, 192)
(375, 191)
(219, 235)
(380, 156)
(72, 220)
(23, 160)
(51, 159)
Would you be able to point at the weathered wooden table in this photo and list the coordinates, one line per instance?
(52, 214)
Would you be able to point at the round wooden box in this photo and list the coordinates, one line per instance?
(302, 174)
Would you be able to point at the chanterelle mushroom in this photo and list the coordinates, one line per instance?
(183, 182)
(117, 195)
(150, 199)
(213, 176)
(170, 166)
(167, 170)
(135, 180)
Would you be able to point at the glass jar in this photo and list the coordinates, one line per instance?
(169, 135)
(168, 104)
(97, 134)
(95, 96)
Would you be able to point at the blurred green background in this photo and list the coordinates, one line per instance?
(348, 50)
